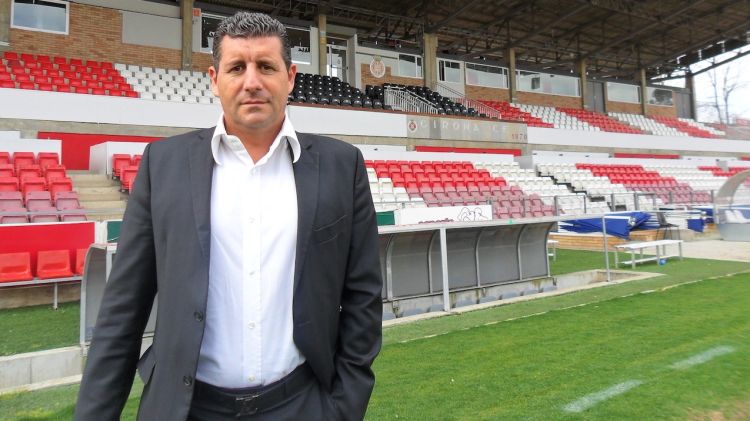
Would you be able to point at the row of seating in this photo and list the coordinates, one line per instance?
(684, 127)
(50, 264)
(509, 112)
(58, 74)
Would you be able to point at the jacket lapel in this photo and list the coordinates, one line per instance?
(201, 164)
(306, 174)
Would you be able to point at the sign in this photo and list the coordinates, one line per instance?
(473, 213)
(423, 127)
(377, 67)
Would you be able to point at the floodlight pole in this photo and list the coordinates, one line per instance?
(606, 247)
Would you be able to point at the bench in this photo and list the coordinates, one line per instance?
(659, 245)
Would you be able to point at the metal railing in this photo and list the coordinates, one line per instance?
(459, 98)
(401, 99)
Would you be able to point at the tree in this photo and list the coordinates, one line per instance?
(725, 80)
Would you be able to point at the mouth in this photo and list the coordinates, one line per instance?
(253, 102)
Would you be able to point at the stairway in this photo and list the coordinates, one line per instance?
(99, 194)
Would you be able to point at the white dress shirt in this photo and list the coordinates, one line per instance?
(247, 338)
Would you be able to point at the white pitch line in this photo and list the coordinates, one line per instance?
(588, 401)
(702, 357)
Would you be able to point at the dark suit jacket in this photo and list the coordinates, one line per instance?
(164, 247)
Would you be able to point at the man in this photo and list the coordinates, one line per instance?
(262, 245)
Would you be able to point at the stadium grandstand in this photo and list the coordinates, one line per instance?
(510, 146)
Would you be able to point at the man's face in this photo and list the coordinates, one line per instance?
(252, 83)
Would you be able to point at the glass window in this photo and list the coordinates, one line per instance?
(209, 23)
(621, 92)
(658, 96)
(483, 75)
(48, 16)
(548, 83)
(449, 71)
(528, 81)
(299, 40)
(409, 65)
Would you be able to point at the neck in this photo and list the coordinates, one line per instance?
(257, 142)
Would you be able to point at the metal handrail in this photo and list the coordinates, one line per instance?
(458, 97)
(401, 99)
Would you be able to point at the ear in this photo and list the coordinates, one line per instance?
(213, 74)
(292, 73)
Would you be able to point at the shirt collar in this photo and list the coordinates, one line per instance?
(233, 142)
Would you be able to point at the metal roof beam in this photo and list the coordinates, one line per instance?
(531, 34)
(620, 40)
(434, 27)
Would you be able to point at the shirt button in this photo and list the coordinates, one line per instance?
(187, 381)
(251, 378)
(251, 325)
(251, 220)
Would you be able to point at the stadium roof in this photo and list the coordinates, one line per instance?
(616, 37)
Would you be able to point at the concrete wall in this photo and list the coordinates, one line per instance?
(533, 98)
(487, 94)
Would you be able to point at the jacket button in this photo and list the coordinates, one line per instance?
(198, 316)
(187, 381)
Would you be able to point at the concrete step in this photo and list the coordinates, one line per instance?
(94, 194)
(85, 179)
(99, 217)
(115, 205)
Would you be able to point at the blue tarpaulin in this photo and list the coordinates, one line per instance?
(618, 225)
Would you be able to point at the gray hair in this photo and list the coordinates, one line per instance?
(251, 25)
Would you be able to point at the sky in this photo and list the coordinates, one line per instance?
(739, 101)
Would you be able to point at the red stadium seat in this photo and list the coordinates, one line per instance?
(9, 184)
(53, 264)
(23, 158)
(80, 260)
(26, 171)
(10, 200)
(38, 200)
(6, 170)
(32, 184)
(15, 267)
(60, 185)
(66, 200)
(7, 84)
(4, 158)
(120, 161)
(48, 158)
(128, 176)
(54, 171)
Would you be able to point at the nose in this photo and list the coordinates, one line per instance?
(252, 79)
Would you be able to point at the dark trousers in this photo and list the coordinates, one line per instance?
(308, 402)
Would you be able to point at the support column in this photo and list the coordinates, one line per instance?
(581, 69)
(510, 55)
(644, 94)
(5, 24)
(322, 44)
(186, 13)
(429, 47)
(690, 85)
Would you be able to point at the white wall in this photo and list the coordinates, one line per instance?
(544, 136)
(100, 155)
(151, 30)
(435, 156)
(348, 122)
(56, 106)
(30, 145)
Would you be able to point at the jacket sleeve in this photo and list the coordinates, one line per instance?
(360, 322)
(124, 312)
